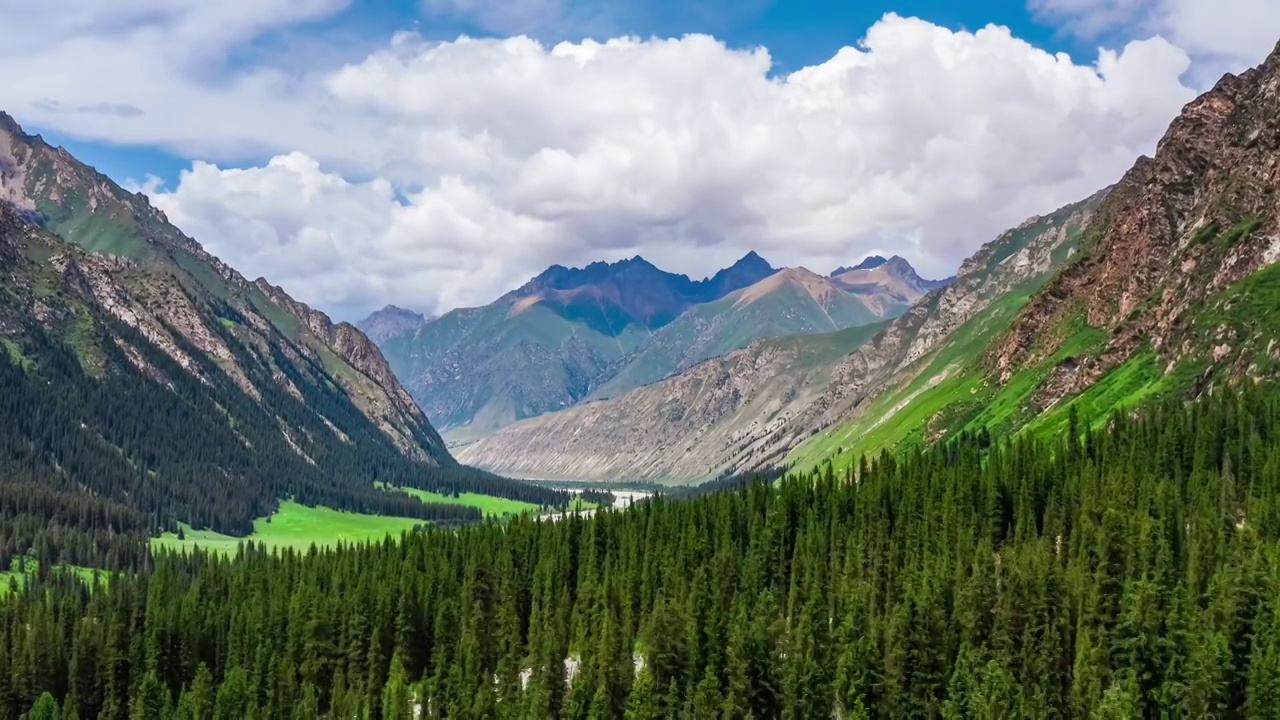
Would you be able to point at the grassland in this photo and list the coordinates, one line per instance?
(16, 576)
(489, 505)
(294, 526)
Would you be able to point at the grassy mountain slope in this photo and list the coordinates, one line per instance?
(1174, 292)
(161, 379)
(477, 369)
(750, 407)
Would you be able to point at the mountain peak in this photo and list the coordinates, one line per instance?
(899, 264)
(871, 262)
(752, 258)
(8, 125)
(389, 322)
(748, 270)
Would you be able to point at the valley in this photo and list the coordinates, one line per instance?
(574, 336)
(1047, 485)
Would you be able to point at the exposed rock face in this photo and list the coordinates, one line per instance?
(147, 274)
(1018, 257)
(375, 389)
(1198, 217)
(748, 408)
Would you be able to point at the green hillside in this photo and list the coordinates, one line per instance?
(490, 366)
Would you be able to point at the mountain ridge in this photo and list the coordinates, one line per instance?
(741, 411)
(103, 293)
(390, 321)
(574, 334)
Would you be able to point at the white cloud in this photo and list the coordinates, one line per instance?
(1222, 35)
(168, 64)
(480, 162)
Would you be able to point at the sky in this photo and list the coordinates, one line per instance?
(435, 153)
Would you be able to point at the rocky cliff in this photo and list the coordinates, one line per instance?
(1182, 227)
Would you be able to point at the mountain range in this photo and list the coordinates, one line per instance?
(143, 369)
(576, 334)
(1163, 285)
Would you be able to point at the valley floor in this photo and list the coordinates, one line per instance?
(294, 526)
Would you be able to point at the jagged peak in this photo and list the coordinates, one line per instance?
(901, 265)
(751, 259)
(9, 125)
(870, 262)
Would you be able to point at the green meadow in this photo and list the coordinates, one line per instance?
(489, 505)
(294, 526)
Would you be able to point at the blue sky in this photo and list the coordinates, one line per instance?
(797, 33)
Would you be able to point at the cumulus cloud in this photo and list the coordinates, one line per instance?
(433, 175)
(1223, 35)
(165, 60)
(921, 141)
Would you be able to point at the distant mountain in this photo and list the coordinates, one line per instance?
(610, 297)
(871, 262)
(572, 334)
(544, 345)
(139, 371)
(737, 411)
(891, 285)
(391, 321)
(791, 302)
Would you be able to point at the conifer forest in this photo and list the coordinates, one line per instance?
(1130, 568)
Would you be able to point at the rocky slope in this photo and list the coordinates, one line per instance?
(748, 408)
(1181, 228)
(888, 287)
(1173, 292)
(1018, 260)
(690, 426)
